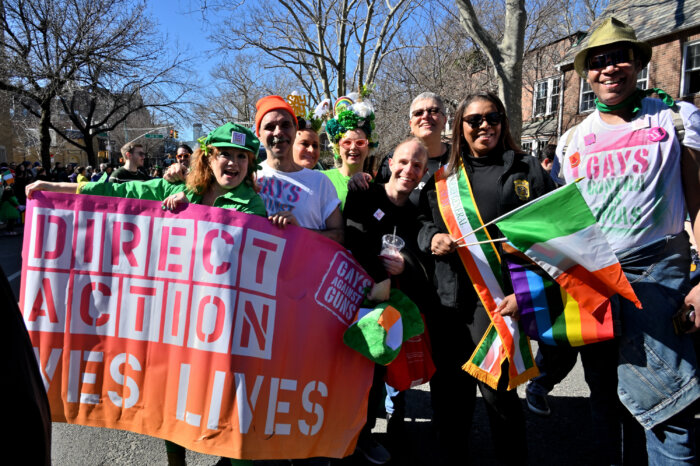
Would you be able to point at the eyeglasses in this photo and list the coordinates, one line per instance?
(430, 111)
(348, 143)
(613, 57)
(183, 156)
(493, 119)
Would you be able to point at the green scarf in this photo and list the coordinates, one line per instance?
(635, 100)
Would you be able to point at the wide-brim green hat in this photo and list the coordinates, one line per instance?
(611, 31)
(233, 135)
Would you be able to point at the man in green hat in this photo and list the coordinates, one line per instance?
(640, 179)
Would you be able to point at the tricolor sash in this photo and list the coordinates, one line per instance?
(504, 337)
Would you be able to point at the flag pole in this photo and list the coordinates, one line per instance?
(497, 240)
(498, 219)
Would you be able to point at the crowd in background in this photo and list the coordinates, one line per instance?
(643, 383)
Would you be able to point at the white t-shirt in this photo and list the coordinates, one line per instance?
(308, 194)
(632, 172)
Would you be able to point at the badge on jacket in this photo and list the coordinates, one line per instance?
(522, 189)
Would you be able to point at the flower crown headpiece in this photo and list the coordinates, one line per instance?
(351, 113)
(314, 121)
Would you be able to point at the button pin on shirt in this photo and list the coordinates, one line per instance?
(657, 134)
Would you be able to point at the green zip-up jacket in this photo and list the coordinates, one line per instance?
(242, 198)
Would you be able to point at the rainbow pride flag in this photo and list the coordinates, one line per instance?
(548, 313)
(559, 233)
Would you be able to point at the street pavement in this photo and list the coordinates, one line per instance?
(562, 438)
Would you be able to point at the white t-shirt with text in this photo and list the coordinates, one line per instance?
(308, 194)
(631, 172)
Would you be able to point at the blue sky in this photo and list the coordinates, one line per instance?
(181, 21)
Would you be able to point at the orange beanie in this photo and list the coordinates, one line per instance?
(269, 103)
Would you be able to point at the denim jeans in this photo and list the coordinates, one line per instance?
(394, 401)
(657, 377)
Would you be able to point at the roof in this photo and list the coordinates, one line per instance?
(539, 127)
(650, 19)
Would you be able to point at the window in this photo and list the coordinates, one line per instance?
(691, 69)
(643, 78)
(534, 147)
(586, 98)
(546, 96)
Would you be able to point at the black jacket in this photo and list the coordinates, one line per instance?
(522, 180)
(369, 214)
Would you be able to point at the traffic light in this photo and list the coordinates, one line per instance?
(175, 134)
(171, 133)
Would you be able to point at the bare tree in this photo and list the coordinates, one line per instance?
(330, 47)
(446, 63)
(105, 94)
(505, 53)
(234, 92)
(503, 32)
(54, 47)
(38, 57)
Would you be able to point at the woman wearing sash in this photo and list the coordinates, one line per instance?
(474, 337)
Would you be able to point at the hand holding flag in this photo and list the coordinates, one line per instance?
(559, 233)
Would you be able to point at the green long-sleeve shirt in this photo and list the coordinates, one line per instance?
(242, 198)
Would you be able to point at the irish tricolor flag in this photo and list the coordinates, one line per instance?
(559, 233)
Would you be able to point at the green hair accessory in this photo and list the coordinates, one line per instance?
(202, 145)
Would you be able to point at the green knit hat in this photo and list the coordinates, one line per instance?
(232, 135)
(377, 333)
(611, 31)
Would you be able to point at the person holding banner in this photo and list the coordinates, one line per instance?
(293, 195)
(640, 162)
(487, 176)
(222, 174)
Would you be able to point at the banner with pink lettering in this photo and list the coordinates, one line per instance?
(207, 327)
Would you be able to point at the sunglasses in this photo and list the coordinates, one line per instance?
(348, 143)
(613, 57)
(183, 156)
(493, 119)
(432, 111)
